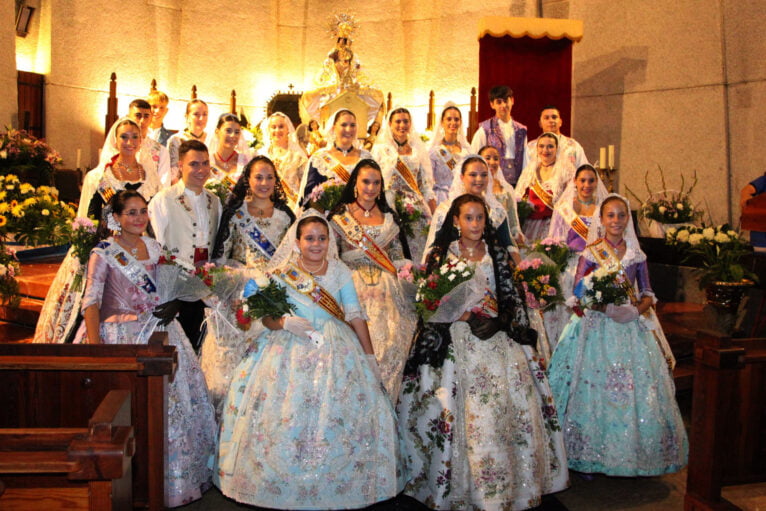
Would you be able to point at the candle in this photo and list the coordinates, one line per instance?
(602, 158)
(611, 157)
(79, 153)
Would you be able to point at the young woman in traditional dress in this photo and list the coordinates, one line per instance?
(373, 245)
(61, 311)
(407, 171)
(338, 159)
(448, 149)
(307, 423)
(481, 429)
(610, 373)
(120, 295)
(228, 151)
(253, 224)
(287, 154)
(503, 192)
(196, 122)
(541, 183)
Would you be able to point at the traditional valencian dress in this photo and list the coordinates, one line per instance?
(612, 382)
(290, 162)
(372, 251)
(307, 425)
(323, 166)
(542, 194)
(481, 428)
(249, 244)
(125, 290)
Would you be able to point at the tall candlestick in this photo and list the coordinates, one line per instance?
(79, 153)
(611, 157)
(602, 158)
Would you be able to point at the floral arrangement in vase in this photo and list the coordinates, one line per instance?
(25, 155)
(35, 216)
(667, 208)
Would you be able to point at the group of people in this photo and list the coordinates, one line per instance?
(352, 398)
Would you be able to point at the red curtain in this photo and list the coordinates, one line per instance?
(538, 70)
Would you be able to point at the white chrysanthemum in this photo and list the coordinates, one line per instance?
(721, 238)
(683, 236)
(696, 238)
(708, 233)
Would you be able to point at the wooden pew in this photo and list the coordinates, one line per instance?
(728, 431)
(71, 468)
(55, 386)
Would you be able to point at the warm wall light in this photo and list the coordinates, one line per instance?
(23, 19)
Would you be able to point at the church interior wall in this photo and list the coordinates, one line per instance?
(667, 83)
(8, 105)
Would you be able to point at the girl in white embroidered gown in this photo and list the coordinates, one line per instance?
(253, 223)
(228, 151)
(196, 122)
(121, 294)
(121, 170)
(283, 148)
(373, 245)
(407, 171)
(481, 428)
(307, 423)
(337, 159)
(573, 214)
(447, 150)
(503, 192)
(541, 184)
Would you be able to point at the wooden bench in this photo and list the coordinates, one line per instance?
(61, 386)
(728, 430)
(71, 468)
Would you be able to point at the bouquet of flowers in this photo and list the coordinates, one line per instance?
(34, 215)
(325, 196)
(219, 188)
(668, 206)
(21, 153)
(719, 248)
(540, 282)
(407, 207)
(252, 132)
(83, 238)
(524, 209)
(556, 251)
(600, 288)
(433, 288)
(264, 297)
(9, 269)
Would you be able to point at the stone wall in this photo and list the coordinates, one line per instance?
(8, 99)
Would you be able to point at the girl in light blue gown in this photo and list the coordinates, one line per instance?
(610, 372)
(307, 423)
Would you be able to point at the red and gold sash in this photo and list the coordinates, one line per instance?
(228, 182)
(449, 160)
(408, 176)
(544, 195)
(305, 284)
(338, 169)
(356, 236)
(289, 193)
(573, 219)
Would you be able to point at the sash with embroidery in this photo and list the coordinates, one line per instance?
(134, 271)
(254, 236)
(408, 176)
(305, 284)
(356, 236)
(289, 193)
(338, 169)
(544, 195)
(573, 219)
(448, 158)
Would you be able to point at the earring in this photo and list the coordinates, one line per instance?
(248, 194)
(356, 193)
(459, 234)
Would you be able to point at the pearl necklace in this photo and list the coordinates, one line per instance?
(322, 266)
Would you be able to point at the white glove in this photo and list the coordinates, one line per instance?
(373, 363)
(298, 326)
(621, 313)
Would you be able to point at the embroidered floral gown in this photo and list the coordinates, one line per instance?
(321, 167)
(307, 426)
(391, 317)
(481, 429)
(126, 318)
(225, 342)
(615, 394)
(444, 164)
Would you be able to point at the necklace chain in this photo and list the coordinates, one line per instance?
(312, 272)
(344, 152)
(470, 250)
(367, 212)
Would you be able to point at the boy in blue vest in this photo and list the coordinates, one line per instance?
(502, 132)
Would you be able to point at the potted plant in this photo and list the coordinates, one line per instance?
(30, 158)
(720, 250)
(667, 208)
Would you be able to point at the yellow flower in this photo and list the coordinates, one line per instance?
(30, 201)
(4, 207)
(26, 188)
(11, 178)
(17, 211)
(3, 220)
(45, 212)
(42, 189)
